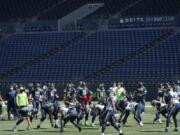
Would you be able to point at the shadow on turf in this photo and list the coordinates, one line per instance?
(151, 131)
(12, 131)
(86, 128)
(57, 131)
(127, 126)
(51, 131)
(40, 128)
(148, 123)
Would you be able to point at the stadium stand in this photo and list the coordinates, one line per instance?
(48, 25)
(21, 48)
(91, 54)
(6, 27)
(78, 61)
(158, 64)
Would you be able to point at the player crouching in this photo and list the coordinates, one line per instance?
(172, 112)
(71, 114)
(160, 109)
(108, 115)
(137, 110)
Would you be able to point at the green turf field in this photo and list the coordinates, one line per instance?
(130, 129)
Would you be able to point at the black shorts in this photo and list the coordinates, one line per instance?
(160, 94)
(1, 109)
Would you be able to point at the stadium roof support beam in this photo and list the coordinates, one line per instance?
(78, 14)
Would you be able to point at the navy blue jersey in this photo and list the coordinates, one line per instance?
(45, 95)
(10, 97)
(141, 91)
(53, 95)
(140, 94)
(167, 97)
(174, 108)
(36, 94)
(82, 91)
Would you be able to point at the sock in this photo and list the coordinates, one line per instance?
(14, 127)
(56, 122)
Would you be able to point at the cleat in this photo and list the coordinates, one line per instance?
(80, 129)
(176, 129)
(93, 125)
(120, 132)
(124, 122)
(14, 129)
(29, 128)
(166, 130)
(61, 130)
(141, 124)
(86, 123)
(38, 126)
(56, 126)
(160, 121)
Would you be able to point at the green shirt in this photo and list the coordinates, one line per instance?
(21, 99)
(120, 93)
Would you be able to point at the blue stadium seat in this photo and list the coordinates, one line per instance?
(21, 48)
(158, 64)
(87, 56)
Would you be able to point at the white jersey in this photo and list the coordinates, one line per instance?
(99, 107)
(174, 96)
(131, 106)
(163, 104)
(64, 110)
(112, 94)
(53, 92)
(83, 90)
(179, 94)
